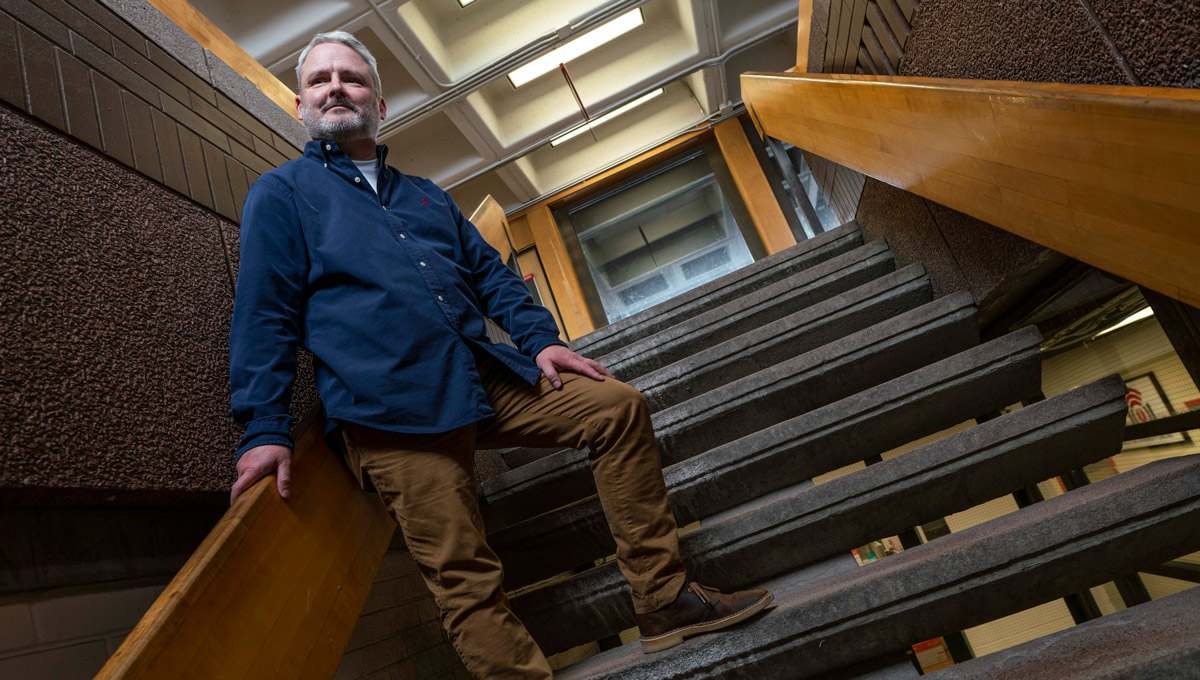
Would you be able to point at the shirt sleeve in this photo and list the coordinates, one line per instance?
(503, 294)
(267, 307)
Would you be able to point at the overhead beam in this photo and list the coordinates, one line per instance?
(753, 186)
(1107, 175)
(214, 40)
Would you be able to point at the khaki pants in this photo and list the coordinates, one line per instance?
(428, 484)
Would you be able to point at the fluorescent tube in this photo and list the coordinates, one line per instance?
(1132, 318)
(581, 45)
(574, 132)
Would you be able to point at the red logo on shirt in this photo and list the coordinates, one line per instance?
(424, 200)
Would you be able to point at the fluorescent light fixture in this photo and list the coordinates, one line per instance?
(1132, 318)
(575, 132)
(464, 3)
(581, 45)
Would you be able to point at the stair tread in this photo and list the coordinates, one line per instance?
(979, 380)
(790, 336)
(732, 285)
(802, 289)
(1040, 552)
(858, 361)
(768, 537)
(1156, 640)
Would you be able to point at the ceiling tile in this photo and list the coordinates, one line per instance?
(420, 42)
(552, 167)
(776, 54)
(469, 195)
(433, 148)
(604, 78)
(743, 18)
(460, 40)
(270, 29)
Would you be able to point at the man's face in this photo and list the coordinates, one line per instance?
(337, 98)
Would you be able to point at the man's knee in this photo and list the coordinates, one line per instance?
(617, 399)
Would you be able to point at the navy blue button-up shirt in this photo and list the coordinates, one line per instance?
(389, 292)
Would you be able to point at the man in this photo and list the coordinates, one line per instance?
(383, 279)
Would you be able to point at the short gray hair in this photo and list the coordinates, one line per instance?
(349, 41)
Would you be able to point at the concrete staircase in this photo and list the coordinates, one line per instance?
(807, 361)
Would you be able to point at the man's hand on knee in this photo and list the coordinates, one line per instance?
(557, 358)
(259, 462)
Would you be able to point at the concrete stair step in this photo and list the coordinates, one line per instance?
(863, 359)
(1151, 641)
(770, 303)
(719, 291)
(524, 455)
(781, 532)
(978, 381)
(1041, 552)
(851, 364)
(794, 334)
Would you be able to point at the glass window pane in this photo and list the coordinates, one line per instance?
(658, 236)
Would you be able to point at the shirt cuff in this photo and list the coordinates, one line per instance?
(540, 342)
(268, 430)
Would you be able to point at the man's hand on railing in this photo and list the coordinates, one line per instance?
(260, 461)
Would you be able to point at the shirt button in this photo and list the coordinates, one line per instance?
(422, 264)
(357, 180)
(403, 236)
(326, 165)
(383, 206)
(329, 147)
(441, 299)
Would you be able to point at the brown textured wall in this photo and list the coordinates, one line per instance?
(1159, 39)
(125, 161)
(115, 295)
(1118, 42)
(1034, 40)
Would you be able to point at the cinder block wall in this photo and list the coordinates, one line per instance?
(399, 635)
(127, 152)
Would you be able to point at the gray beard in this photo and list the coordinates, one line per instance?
(359, 126)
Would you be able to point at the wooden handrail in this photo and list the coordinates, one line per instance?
(276, 587)
(1107, 175)
(489, 219)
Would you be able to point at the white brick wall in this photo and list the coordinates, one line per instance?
(68, 634)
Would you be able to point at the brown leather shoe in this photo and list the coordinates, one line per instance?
(698, 610)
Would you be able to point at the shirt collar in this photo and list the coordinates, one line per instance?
(325, 151)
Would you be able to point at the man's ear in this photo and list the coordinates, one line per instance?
(299, 115)
(382, 109)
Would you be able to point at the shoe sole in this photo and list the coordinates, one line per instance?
(668, 640)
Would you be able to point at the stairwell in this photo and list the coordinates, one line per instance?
(807, 361)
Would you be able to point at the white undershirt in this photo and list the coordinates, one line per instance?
(370, 171)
